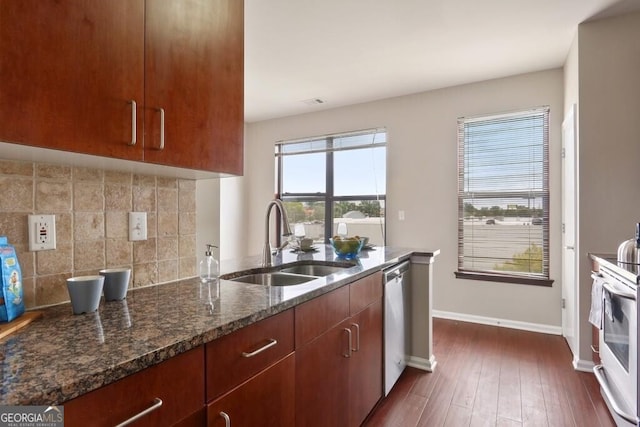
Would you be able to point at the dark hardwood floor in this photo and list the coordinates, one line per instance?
(493, 376)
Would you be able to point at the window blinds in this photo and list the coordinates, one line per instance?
(503, 194)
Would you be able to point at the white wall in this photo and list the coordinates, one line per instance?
(421, 170)
(609, 144)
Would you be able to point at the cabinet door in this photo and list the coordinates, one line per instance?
(68, 70)
(322, 371)
(265, 400)
(365, 367)
(194, 79)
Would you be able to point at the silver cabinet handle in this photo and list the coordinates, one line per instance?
(604, 385)
(594, 350)
(157, 402)
(357, 337)
(134, 137)
(271, 343)
(227, 420)
(348, 353)
(161, 110)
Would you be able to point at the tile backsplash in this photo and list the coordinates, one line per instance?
(91, 207)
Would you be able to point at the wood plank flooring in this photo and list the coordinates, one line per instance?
(493, 376)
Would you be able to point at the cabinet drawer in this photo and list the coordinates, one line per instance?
(365, 292)
(268, 399)
(178, 382)
(238, 356)
(320, 314)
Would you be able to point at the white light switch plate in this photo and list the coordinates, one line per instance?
(42, 232)
(137, 226)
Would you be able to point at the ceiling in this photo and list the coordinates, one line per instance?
(351, 51)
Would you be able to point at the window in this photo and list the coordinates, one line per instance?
(335, 179)
(503, 197)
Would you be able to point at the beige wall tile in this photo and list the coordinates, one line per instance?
(88, 197)
(29, 291)
(53, 171)
(145, 274)
(26, 259)
(167, 270)
(117, 177)
(119, 253)
(117, 226)
(152, 225)
(167, 248)
(17, 194)
(188, 267)
(88, 175)
(167, 200)
(52, 289)
(186, 200)
(144, 199)
(11, 167)
(52, 197)
(167, 224)
(55, 261)
(187, 223)
(14, 226)
(144, 250)
(64, 227)
(117, 197)
(164, 182)
(144, 181)
(88, 226)
(89, 254)
(187, 247)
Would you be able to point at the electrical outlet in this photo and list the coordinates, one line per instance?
(42, 232)
(137, 226)
(401, 215)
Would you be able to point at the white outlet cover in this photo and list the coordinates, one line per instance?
(42, 232)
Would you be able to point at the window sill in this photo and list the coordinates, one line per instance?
(503, 279)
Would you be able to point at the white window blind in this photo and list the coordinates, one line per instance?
(503, 197)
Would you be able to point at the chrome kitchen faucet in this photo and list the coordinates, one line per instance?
(266, 251)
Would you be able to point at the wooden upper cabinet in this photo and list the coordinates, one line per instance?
(68, 70)
(194, 74)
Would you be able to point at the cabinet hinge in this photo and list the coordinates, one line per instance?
(564, 153)
(564, 303)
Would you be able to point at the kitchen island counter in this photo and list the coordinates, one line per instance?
(63, 356)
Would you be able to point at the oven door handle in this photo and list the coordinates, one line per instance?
(615, 291)
(604, 385)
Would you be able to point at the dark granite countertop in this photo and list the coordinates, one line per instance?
(62, 355)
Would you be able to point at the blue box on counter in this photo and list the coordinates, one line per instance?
(12, 298)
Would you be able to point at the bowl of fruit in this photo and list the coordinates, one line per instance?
(347, 247)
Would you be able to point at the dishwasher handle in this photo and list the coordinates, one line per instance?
(397, 271)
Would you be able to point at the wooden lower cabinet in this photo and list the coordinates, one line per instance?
(265, 400)
(322, 379)
(177, 382)
(339, 373)
(365, 367)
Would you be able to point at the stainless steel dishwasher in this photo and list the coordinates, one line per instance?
(396, 322)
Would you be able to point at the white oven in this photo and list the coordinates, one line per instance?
(618, 371)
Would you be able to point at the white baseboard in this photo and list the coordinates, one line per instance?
(583, 365)
(505, 323)
(428, 365)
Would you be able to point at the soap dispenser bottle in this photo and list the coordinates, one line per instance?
(209, 267)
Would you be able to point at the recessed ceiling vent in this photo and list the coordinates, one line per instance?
(314, 101)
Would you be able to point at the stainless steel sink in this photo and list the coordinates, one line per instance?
(275, 278)
(314, 269)
(287, 274)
